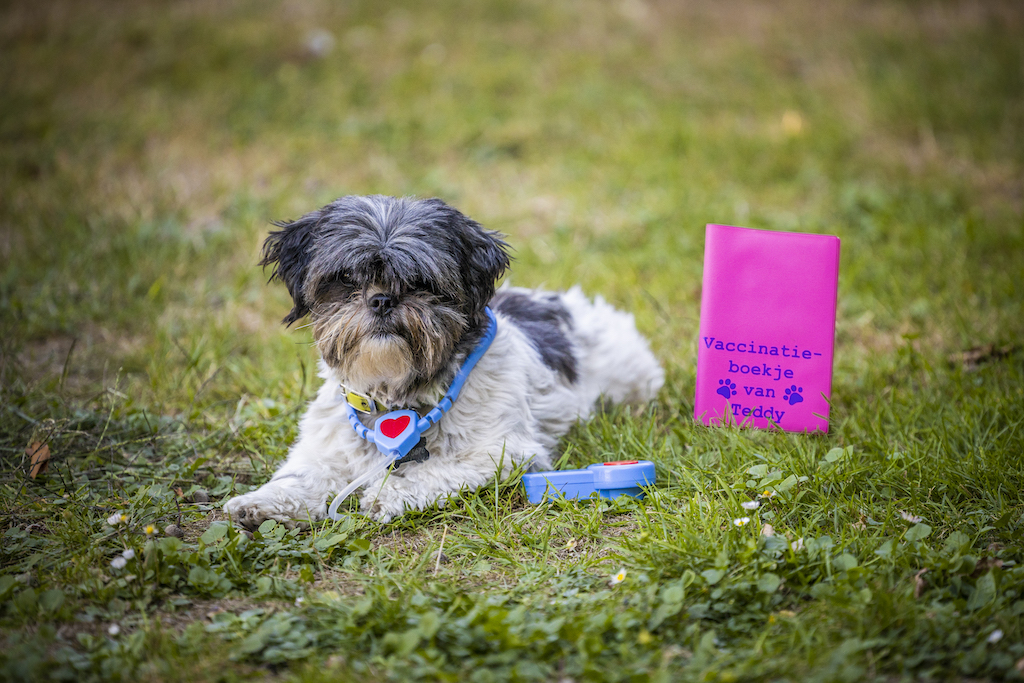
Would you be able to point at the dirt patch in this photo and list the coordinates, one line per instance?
(339, 582)
(407, 543)
(194, 529)
(206, 610)
(78, 362)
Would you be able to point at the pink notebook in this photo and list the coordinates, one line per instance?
(767, 328)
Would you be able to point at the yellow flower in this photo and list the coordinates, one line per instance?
(741, 521)
(619, 577)
(644, 637)
(150, 529)
(792, 122)
(767, 494)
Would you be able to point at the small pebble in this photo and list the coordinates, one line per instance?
(200, 496)
(174, 530)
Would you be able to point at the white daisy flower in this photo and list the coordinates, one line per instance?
(913, 519)
(117, 518)
(128, 554)
(319, 42)
(750, 505)
(767, 494)
(113, 629)
(797, 545)
(299, 600)
(995, 636)
(618, 577)
(118, 562)
(741, 521)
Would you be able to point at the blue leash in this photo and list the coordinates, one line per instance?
(397, 432)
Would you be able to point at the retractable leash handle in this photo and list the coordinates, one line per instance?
(397, 432)
(606, 479)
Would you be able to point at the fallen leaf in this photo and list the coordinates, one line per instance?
(919, 583)
(39, 453)
(973, 358)
(985, 564)
(177, 490)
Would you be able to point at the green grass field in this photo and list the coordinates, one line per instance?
(146, 146)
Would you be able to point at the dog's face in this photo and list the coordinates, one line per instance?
(391, 285)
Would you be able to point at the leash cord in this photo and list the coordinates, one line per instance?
(382, 465)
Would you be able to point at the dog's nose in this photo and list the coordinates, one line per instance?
(381, 303)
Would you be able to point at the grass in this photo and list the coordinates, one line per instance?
(145, 148)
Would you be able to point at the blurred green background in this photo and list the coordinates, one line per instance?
(145, 146)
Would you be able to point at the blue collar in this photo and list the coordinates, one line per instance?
(397, 432)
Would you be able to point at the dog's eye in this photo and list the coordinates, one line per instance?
(423, 286)
(337, 285)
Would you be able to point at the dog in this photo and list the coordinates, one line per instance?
(397, 291)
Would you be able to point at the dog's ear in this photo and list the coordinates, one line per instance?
(486, 257)
(288, 251)
(488, 260)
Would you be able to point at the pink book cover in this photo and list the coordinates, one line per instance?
(767, 329)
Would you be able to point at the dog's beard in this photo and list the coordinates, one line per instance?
(390, 356)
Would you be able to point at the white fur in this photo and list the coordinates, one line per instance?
(512, 409)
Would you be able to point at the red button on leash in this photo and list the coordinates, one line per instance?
(622, 462)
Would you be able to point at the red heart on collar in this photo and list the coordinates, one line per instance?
(392, 428)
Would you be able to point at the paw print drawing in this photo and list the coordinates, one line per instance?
(727, 388)
(794, 395)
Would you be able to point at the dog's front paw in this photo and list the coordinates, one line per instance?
(395, 499)
(383, 505)
(383, 513)
(246, 511)
(252, 509)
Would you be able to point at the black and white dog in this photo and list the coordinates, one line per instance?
(396, 290)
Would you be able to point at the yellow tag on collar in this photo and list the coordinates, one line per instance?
(363, 404)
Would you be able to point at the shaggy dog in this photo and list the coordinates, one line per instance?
(396, 291)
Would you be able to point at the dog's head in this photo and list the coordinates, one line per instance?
(391, 285)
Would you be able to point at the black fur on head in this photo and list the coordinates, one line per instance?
(288, 251)
(393, 285)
